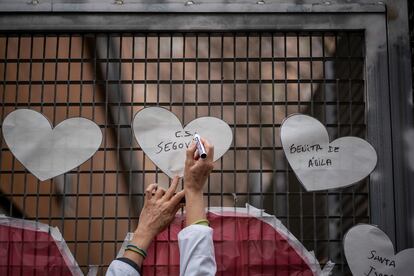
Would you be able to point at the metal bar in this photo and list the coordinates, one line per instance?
(53, 181)
(28, 103)
(402, 121)
(207, 193)
(174, 82)
(154, 170)
(378, 124)
(3, 97)
(131, 144)
(145, 103)
(267, 6)
(339, 128)
(94, 54)
(349, 64)
(54, 111)
(78, 176)
(105, 141)
(62, 190)
(252, 103)
(209, 59)
(185, 22)
(261, 199)
(257, 148)
(158, 99)
(221, 117)
(41, 110)
(135, 218)
(312, 112)
(189, 59)
(274, 183)
(170, 87)
(14, 159)
(235, 196)
(248, 172)
(118, 139)
(327, 210)
(299, 111)
(16, 100)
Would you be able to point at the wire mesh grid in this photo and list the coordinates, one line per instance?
(251, 80)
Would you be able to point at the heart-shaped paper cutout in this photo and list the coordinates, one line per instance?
(321, 165)
(29, 247)
(370, 252)
(162, 137)
(48, 152)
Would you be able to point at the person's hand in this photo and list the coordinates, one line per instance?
(159, 209)
(197, 170)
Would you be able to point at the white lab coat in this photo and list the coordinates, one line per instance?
(196, 254)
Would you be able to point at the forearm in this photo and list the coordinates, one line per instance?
(196, 211)
(142, 240)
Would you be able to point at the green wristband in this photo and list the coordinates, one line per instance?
(202, 222)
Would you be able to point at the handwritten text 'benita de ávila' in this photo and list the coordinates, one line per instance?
(315, 161)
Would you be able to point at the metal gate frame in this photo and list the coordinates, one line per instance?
(387, 66)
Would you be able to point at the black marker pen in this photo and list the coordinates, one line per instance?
(201, 150)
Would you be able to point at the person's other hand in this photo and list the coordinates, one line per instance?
(197, 170)
(159, 209)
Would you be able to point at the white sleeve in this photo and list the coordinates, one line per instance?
(118, 268)
(196, 251)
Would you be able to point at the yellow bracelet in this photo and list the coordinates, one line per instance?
(202, 222)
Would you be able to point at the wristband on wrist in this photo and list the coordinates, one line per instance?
(137, 250)
(202, 222)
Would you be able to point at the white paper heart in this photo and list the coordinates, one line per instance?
(321, 165)
(48, 152)
(162, 137)
(370, 252)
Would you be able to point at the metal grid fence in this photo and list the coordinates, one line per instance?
(251, 80)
